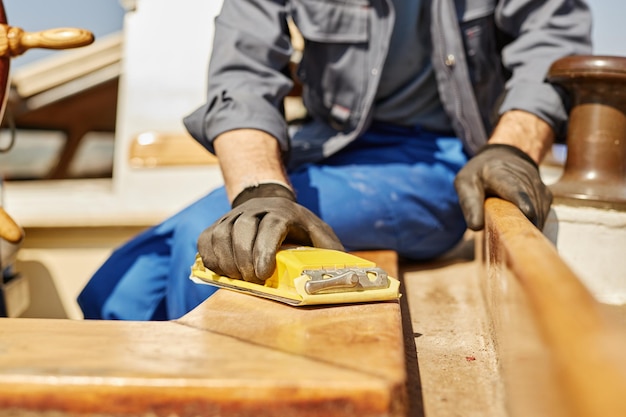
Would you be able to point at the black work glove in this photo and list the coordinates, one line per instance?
(243, 243)
(507, 172)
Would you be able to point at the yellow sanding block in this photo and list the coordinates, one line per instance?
(312, 276)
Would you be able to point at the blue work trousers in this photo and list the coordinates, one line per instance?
(390, 189)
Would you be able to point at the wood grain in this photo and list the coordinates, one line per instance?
(586, 345)
(235, 355)
(155, 149)
(9, 229)
(14, 41)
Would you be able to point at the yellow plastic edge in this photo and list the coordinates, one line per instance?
(287, 283)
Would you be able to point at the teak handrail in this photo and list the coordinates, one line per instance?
(586, 345)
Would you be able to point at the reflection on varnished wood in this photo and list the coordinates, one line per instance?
(234, 355)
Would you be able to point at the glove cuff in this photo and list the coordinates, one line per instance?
(509, 148)
(270, 189)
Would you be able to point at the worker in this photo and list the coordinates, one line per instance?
(416, 112)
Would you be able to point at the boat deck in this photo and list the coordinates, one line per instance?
(499, 328)
(454, 362)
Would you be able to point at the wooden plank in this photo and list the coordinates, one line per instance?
(383, 258)
(156, 149)
(362, 337)
(456, 362)
(585, 345)
(234, 355)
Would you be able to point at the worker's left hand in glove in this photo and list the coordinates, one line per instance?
(243, 243)
(507, 172)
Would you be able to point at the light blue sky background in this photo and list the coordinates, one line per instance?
(105, 16)
(609, 30)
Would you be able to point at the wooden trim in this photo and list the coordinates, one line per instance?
(70, 65)
(585, 343)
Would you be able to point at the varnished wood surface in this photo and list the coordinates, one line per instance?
(9, 229)
(385, 259)
(585, 346)
(364, 338)
(235, 355)
(155, 149)
(14, 41)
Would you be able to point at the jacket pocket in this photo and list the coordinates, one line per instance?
(334, 63)
(479, 34)
(332, 21)
(479, 37)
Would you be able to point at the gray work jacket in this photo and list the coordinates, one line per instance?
(489, 56)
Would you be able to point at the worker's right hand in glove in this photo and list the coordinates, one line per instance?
(507, 172)
(243, 243)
